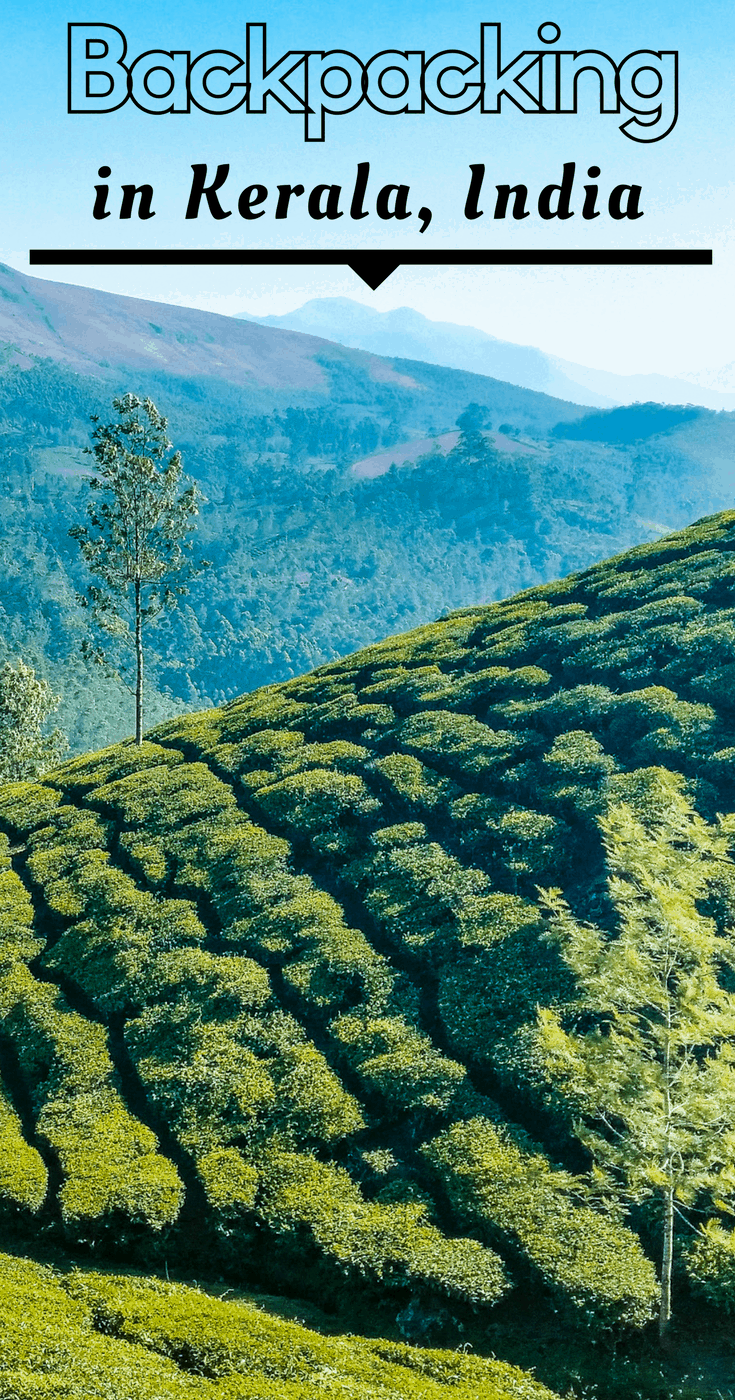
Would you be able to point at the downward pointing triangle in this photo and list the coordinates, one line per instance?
(374, 268)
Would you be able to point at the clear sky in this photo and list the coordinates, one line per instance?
(628, 320)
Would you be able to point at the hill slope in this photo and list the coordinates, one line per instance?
(310, 559)
(267, 983)
(101, 333)
(96, 1334)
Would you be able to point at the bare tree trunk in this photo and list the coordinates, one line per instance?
(664, 1316)
(139, 666)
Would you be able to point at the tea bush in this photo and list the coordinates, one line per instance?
(23, 1175)
(394, 1059)
(237, 1351)
(710, 1265)
(391, 1247)
(163, 797)
(590, 1264)
(312, 915)
(109, 1160)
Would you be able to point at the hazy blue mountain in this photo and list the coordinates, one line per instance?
(408, 334)
(102, 334)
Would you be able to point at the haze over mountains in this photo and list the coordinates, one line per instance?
(406, 333)
(100, 333)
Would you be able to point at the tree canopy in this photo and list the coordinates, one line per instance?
(26, 702)
(137, 544)
(646, 1053)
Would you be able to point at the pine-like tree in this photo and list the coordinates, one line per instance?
(138, 541)
(647, 1053)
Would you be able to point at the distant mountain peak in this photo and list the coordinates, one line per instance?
(406, 333)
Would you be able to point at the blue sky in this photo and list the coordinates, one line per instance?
(666, 320)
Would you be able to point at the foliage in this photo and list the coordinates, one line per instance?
(23, 1175)
(25, 705)
(593, 1265)
(390, 1246)
(396, 1061)
(710, 1265)
(109, 1161)
(285, 950)
(140, 518)
(142, 1339)
(311, 561)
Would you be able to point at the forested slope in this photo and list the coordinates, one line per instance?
(268, 984)
(309, 561)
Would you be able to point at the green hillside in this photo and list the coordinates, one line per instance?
(269, 984)
(128, 1338)
(311, 562)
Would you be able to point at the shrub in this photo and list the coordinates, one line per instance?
(710, 1266)
(578, 758)
(336, 754)
(582, 707)
(108, 1158)
(346, 717)
(208, 1086)
(592, 1265)
(17, 937)
(147, 855)
(230, 1183)
(395, 1060)
(317, 799)
(161, 798)
(497, 683)
(219, 1081)
(62, 1354)
(267, 748)
(493, 986)
(318, 689)
(219, 987)
(236, 1343)
(414, 783)
(423, 897)
(267, 910)
(236, 862)
(24, 806)
(110, 1164)
(79, 775)
(268, 708)
(524, 841)
(457, 743)
(640, 712)
(23, 1175)
(121, 930)
(405, 689)
(390, 1246)
(312, 1105)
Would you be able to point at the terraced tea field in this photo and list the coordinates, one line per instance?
(268, 983)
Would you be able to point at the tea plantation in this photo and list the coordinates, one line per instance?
(269, 989)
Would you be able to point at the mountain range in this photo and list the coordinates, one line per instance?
(410, 335)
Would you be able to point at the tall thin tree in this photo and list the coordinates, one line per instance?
(647, 1053)
(137, 542)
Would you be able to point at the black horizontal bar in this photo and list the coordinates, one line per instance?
(423, 257)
